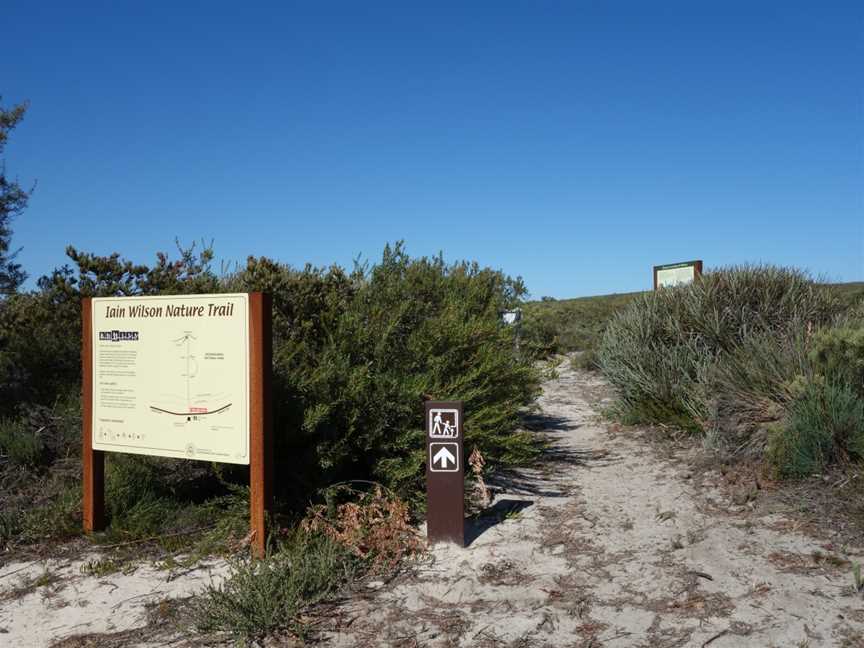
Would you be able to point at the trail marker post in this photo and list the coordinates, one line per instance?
(183, 376)
(674, 274)
(445, 473)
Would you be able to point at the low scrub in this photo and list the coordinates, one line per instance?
(357, 532)
(552, 326)
(824, 425)
(263, 597)
(760, 359)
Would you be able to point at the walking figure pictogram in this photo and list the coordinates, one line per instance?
(444, 424)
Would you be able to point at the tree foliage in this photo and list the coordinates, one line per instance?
(13, 200)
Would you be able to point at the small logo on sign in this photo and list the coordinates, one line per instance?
(443, 423)
(118, 336)
(443, 457)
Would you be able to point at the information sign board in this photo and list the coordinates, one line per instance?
(674, 274)
(171, 376)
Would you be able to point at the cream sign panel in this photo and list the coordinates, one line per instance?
(674, 276)
(171, 376)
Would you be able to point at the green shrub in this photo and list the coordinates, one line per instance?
(825, 424)
(585, 360)
(20, 445)
(52, 517)
(660, 352)
(838, 352)
(355, 355)
(260, 597)
(750, 388)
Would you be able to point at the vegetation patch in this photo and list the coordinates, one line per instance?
(263, 597)
(337, 543)
(554, 326)
(760, 359)
(355, 354)
(375, 528)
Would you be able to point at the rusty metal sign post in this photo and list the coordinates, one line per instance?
(445, 473)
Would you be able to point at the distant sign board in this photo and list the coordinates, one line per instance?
(674, 274)
(171, 376)
(512, 317)
(445, 473)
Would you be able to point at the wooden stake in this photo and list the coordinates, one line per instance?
(93, 461)
(260, 418)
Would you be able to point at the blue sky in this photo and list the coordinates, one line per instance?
(573, 143)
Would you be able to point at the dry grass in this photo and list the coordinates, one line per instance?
(377, 528)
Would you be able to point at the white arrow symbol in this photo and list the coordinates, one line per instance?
(442, 456)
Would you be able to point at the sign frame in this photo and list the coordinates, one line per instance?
(695, 264)
(445, 486)
(260, 327)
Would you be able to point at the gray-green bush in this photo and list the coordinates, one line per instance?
(758, 358)
(660, 351)
(824, 425)
(264, 596)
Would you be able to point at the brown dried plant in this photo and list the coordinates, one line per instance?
(376, 527)
(477, 463)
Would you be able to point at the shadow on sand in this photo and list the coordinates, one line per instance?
(478, 524)
(556, 458)
(538, 480)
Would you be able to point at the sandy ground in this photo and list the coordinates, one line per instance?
(45, 602)
(613, 543)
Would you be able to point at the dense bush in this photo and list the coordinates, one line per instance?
(749, 389)
(356, 354)
(824, 425)
(760, 359)
(659, 352)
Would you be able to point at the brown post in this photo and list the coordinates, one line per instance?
(93, 461)
(445, 473)
(260, 418)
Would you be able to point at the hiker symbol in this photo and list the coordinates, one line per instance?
(443, 423)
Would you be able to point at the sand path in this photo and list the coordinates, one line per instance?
(612, 545)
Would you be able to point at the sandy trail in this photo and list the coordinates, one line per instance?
(611, 545)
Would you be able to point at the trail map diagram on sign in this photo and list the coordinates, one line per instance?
(193, 404)
(443, 423)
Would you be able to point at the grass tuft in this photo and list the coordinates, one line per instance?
(263, 597)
